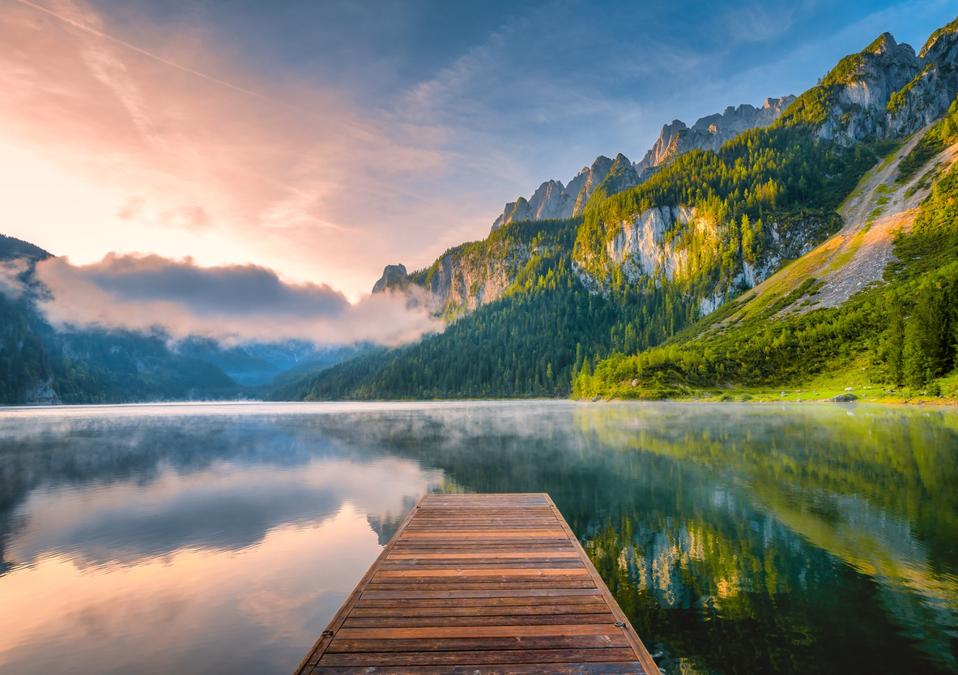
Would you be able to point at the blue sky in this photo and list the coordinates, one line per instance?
(326, 139)
(549, 83)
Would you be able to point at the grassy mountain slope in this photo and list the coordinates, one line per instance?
(874, 308)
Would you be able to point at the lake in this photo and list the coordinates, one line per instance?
(739, 538)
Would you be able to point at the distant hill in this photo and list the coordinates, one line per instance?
(40, 364)
(12, 248)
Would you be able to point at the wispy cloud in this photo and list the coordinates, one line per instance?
(758, 21)
(143, 150)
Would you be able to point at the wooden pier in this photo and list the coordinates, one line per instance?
(491, 583)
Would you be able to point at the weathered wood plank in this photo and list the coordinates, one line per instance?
(479, 610)
(555, 533)
(515, 593)
(479, 657)
(495, 620)
(466, 572)
(512, 583)
(481, 583)
(492, 564)
(525, 601)
(477, 631)
(473, 644)
(564, 553)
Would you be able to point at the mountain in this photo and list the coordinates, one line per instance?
(42, 365)
(467, 277)
(675, 254)
(552, 200)
(528, 342)
(814, 250)
(885, 90)
(682, 222)
(620, 176)
(709, 132)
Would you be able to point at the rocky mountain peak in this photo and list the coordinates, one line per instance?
(552, 199)
(597, 172)
(620, 176)
(884, 91)
(883, 43)
(709, 132)
(673, 127)
(394, 277)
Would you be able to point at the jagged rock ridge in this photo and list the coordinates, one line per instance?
(884, 91)
(709, 132)
(552, 199)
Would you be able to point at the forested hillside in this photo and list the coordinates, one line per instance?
(39, 364)
(530, 342)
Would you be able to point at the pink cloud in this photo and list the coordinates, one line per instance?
(171, 148)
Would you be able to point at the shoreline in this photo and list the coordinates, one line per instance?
(918, 402)
(765, 397)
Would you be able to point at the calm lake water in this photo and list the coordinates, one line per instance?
(222, 538)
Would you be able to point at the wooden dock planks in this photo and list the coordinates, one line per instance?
(481, 583)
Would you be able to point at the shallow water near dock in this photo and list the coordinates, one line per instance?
(217, 538)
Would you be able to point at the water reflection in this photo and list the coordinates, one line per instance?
(205, 542)
(738, 538)
(876, 489)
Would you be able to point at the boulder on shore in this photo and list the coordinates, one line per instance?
(843, 398)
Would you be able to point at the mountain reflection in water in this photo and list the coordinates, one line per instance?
(738, 538)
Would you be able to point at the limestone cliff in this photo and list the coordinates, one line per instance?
(394, 277)
(476, 273)
(661, 242)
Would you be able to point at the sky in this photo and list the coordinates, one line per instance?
(319, 141)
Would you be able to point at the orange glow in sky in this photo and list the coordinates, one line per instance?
(106, 146)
